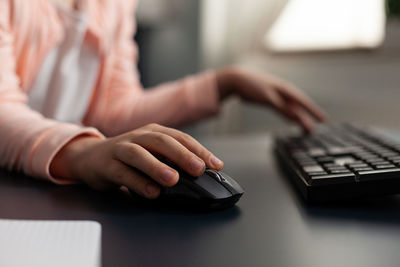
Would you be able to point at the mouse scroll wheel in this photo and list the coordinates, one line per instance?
(215, 174)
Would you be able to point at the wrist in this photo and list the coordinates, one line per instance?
(66, 164)
(227, 80)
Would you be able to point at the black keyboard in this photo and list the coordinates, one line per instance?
(338, 162)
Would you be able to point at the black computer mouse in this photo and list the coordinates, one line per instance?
(213, 190)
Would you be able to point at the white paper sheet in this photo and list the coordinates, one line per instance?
(50, 243)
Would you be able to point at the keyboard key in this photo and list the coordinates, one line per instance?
(344, 160)
(373, 160)
(362, 169)
(367, 156)
(382, 162)
(331, 165)
(325, 159)
(388, 166)
(316, 152)
(307, 163)
(300, 155)
(357, 162)
(394, 158)
(359, 165)
(313, 168)
(388, 153)
(339, 171)
(317, 173)
(377, 166)
(336, 151)
(378, 174)
(332, 179)
(384, 151)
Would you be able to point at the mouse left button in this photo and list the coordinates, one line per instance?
(214, 174)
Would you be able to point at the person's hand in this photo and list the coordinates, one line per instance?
(130, 159)
(268, 90)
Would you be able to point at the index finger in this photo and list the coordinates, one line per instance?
(194, 146)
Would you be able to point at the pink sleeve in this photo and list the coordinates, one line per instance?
(28, 142)
(126, 106)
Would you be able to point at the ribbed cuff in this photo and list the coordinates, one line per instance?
(51, 143)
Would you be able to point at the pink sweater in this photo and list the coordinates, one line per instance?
(29, 29)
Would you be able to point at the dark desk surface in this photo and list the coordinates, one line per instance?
(270, 226)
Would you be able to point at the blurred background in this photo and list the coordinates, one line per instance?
(344, 54)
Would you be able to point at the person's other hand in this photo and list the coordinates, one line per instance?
(263, 89)
(131, 159)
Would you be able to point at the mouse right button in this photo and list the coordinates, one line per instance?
(235, 188)
(212, 187)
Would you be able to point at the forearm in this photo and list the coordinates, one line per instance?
(31, 141)
(172, 104)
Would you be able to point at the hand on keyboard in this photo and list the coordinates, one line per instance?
(263, 89)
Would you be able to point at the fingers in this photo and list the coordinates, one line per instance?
(296, 106)
(296, 95)
(276, 100)
(284, 97)
(168, 147)
(295, 111)
(142, 171)
(299, 115)
(136, 156)
(123, 175)
(194, 146)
